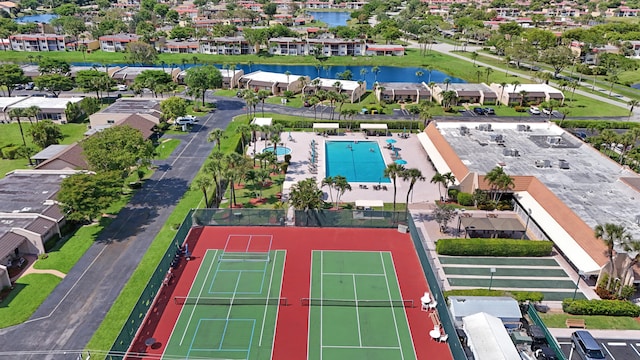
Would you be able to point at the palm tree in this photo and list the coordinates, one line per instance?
(478, 74)
(245, 132)
(216, 135)
(632, 104)
(203, 183)
(474, 57)
(446, 83)
(328, 182)
(515, 84)
(287, 74)
(375, 70)
(419, 74)
(449, 180)
(262, 96)
(306, 196)
(17, 113)
(499, 181)
(488, 71)
(523, 95)
(392, 171)
(429, 70)
(363, 73)
(412, 175)
(439, 180)
(502, 85)
(215, 168)
(195, 60)
(341, 185)
(32, 112)
(612, 235)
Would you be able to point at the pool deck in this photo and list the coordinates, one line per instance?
(408, 149)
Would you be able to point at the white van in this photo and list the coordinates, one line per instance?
(185, 120)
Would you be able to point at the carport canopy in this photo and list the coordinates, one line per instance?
(366, 126)
(492, 224)
(326, 125)
(369, 203)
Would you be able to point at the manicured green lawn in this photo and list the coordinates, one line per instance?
(295, 101)
(165, 148)
(592, 321)
(28, 293)
(66, 253)
(10, 134)
(251, 191)
(226, 92)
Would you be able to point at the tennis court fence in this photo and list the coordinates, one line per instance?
(186, 300)
(356, 303)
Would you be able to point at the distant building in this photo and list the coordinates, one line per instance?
(353, 89)
(466, 93)
(123, 108)
(533, 93)
(180, 47)
(116, 43)
(39, 42)
(384, 50)
(50, 108)
(392, 92)
(236, 45)
(276, 83)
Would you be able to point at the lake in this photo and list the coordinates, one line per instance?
(386, 73)
(331, 18)
(42, 18)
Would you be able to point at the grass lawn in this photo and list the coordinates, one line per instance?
(11, 135)
(28, 293)
(165, 148)
(592, 321)
(295, 101)
(226, 92)
(251, 191)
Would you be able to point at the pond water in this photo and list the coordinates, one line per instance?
(331, 18)
(42, 18)
(385, 73)
(636, 86)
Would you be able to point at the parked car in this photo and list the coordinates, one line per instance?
(586, 346)
(122, 87)
(489, 111)
(18, 87)
(534, 110)
(184, 120)
(478, 111)
(191, 117)
(29, 86)
(546, 111)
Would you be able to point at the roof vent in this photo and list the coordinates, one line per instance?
(563, 164)
(464, 130)
(484, 127)
(554, 140)
(496, 138)
(523, 128)
(511, 152)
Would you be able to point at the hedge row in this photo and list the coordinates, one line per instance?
(601, 307)
(520, 296)
(597, 124)
(493, 247)
(344, 124)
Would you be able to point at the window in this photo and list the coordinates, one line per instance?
(111, 121)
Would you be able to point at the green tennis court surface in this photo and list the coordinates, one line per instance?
(231, 309)
(356, 308)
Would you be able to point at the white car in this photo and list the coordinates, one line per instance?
(546, 111)
(185, 120)
(534, 111)
(122, 87)
(191, 117)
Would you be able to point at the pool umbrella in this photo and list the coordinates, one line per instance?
(391, 141)
(401, 162)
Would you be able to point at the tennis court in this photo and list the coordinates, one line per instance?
(357, 307)
(231, 309)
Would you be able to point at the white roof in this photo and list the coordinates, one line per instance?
(437, 159)
(46, 103)
(326, 125)
(348, 85)
(6, 101)
(499, 306)
(373, 126)
(488, 339)
(531, 88)
(272, 77)
(565, 242)
(262, 121)
(370, 203)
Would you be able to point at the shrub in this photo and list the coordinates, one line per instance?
(493, 247)
(465, 199)
(287, 158)
(10, 152)
(597, 124)
(520, 296)
(601, 307)
(519, 108)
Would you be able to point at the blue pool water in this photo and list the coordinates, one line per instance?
(42, 18)
(280, 150)
(331, 18)
(357, 161)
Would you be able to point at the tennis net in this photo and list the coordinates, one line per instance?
(244, 256)
(359, 303)
(185, 300)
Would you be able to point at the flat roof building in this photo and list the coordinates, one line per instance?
(123, 108)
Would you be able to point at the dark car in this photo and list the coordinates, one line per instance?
(489, 111)
(478, 111)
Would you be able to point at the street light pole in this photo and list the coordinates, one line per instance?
(580, 275)
(493, 270)
(526, 226)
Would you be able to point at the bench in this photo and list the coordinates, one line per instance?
(575, 323)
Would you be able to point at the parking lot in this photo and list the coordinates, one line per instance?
(614, 348)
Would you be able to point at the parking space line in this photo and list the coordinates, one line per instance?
(635, 350)
(608, 352)
(617, 343)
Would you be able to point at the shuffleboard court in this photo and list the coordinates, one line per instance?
(357, 308)
(231, 309)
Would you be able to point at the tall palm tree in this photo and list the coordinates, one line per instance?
(262, 96)
(245, 132)
(341, 185)
(446, 83)
(499, 181)
(612, 235)
(215, 168)
(328, 182)
(523, 95)
(203, 183)
(515, 84)
(216, 135)
(392, 171)
(413, 176)
(429, 70)
(488, 71)
(502, 85)
(474, 57)
(17, 113)
(375, 70)
(306, 196)
(439, 180)
(632, 104)
(32, 112)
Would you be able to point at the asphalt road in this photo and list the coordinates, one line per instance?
(71, 314)
(615, 349)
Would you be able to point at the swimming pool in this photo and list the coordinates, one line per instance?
(357, 161)
(280, 150)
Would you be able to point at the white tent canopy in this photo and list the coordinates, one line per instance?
(326, 125)
(373, 126)
(262, 121)
(488, 339)
(369, 203)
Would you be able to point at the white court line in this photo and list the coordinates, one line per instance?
(355, 295)
(321, 291)
(226, 325)
(349, 274)
(406, 318)
(393, 312)
(266, 304)
(273, 341)
(310, 296)
(361, 347)
(608, 352)
(200, 293)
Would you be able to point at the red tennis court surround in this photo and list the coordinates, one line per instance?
(293, 320)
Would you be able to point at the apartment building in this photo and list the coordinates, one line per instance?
(39, 42)
(180, 47)
(232, 45)
(116, 43)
